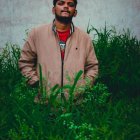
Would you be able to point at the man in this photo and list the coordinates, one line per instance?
(60, 48)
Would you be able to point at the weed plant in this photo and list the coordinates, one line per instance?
(118, 55)
(100, 116)
(9, 71)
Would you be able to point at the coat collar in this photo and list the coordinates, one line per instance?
(54, 27)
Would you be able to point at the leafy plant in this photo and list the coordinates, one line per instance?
(106, 111)
(9, 71)
(118, 54)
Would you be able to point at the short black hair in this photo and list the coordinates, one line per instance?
(55, 1)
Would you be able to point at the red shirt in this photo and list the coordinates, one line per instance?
(63, 36)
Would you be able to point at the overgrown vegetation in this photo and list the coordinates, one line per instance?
(119, 55)
(110, 110)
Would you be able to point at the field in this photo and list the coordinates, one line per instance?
(110, 109)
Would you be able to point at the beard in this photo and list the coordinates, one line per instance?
(65, 20)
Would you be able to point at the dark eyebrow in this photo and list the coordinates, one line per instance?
(60, 1)
(72, 4)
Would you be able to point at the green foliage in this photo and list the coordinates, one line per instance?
(118, 55)
(9, 71)
(100, 116)
(9, 77)
(56, 90)
(23, 132)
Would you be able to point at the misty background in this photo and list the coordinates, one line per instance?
(18, 16)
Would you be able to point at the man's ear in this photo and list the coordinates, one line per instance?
(75, 13)
(53, 10)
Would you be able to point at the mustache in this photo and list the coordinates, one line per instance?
(65, 11)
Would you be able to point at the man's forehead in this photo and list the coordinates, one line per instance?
(66, 0)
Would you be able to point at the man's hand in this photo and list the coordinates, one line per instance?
(34, 85)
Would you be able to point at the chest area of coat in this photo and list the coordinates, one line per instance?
(51, 49)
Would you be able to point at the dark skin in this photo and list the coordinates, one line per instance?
(64, 8)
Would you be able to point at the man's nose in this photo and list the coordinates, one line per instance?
(66, 5)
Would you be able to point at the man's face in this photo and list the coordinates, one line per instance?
(65, 10)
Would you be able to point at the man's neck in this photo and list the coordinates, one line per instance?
(61, 26)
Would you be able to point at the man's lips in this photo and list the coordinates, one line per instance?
(65, 12)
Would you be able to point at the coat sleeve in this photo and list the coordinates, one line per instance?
(91, 65)
(28, 60)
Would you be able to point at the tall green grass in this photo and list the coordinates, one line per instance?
(9, 71)
(101, 116)
(118, 55)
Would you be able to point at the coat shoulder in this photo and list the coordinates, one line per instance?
(82, 34)
(42, 28)
(39, 30)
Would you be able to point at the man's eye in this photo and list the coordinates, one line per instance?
(60, 3)
(71, 4)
